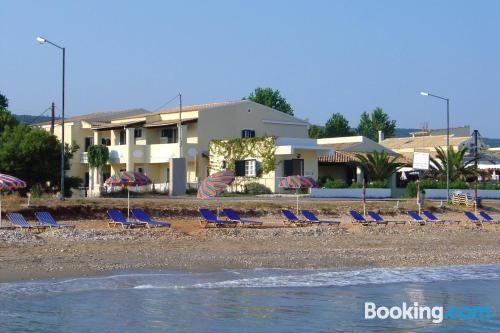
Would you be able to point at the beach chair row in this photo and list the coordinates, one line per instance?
(427, 218)
(141, 220)
(232, 219)
(45, 221)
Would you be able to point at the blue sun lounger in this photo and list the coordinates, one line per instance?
(119, 220)
(488, 218)
(46, 219)
(233, 216)
(433, 218)
(209, 218)
(291, 219)
(313, 219)
(416, 217)
(141, 216)
(474, 219)
(379, 219)
(18, 221)
(358, 218)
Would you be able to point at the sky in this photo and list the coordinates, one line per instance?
(323, 56)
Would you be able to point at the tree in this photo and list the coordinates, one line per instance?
(97, 156)
(6, 118)
(369, 125)
(315, 132)
(459, 169)
(4, 102)
(378, 166)
(337, 126)
(34, 155)
(271, 98)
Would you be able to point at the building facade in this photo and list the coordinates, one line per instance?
(144, 141)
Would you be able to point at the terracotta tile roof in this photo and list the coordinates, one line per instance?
(338, 157)
(346, 157)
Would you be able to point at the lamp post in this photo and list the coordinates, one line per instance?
(42, 40)
(423, 93)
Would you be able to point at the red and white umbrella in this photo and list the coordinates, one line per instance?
(9, 183)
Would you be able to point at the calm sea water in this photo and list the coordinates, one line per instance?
(260, 300)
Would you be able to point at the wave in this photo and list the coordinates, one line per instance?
(253, 278)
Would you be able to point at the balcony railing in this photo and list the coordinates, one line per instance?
(153, 153)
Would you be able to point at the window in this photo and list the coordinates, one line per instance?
(250, 168)
(246, 168)
(123, 138)
(294, 167)
(140, 170)
(248, 133)
(106, 141)
(138, 133)
(169, 133)
(89, 141)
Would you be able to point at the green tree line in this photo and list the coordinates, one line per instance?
(337, 125)
(33, 155)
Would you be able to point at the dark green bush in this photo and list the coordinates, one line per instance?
(356, 185)
(256, 188)
(322, 180)
(337, 183)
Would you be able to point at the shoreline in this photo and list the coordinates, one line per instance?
(92, 250)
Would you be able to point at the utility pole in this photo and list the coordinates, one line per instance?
(180, 125)
(475, 163)
(52, 118)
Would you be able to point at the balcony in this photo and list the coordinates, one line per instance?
(153, 153)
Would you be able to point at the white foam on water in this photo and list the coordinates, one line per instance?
(253, 278)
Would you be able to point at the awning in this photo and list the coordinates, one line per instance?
(113, 126)
(165, 123)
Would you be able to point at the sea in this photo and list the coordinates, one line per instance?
(256, 300)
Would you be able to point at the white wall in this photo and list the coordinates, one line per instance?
(350, 193)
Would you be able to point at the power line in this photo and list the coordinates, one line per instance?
(165, 104)
(39, 116)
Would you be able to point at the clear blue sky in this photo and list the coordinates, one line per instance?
(324, 56)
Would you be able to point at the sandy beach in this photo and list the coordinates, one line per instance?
(92, 248)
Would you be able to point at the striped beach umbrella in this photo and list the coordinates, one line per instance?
(297, 182)
(9, 183)
(215, 184)
(128, 178)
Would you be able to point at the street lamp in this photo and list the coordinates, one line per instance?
(42, 40)
(423, 93)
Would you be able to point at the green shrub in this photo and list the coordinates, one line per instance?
(411, 189)
(458, 184)
(486, 186)
(356, 185)
(322, 180)
(256, 188)
(337, 183)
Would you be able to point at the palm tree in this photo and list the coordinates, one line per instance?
(378, 165)
(459, 169)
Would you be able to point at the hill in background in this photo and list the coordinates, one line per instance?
(27, 119)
